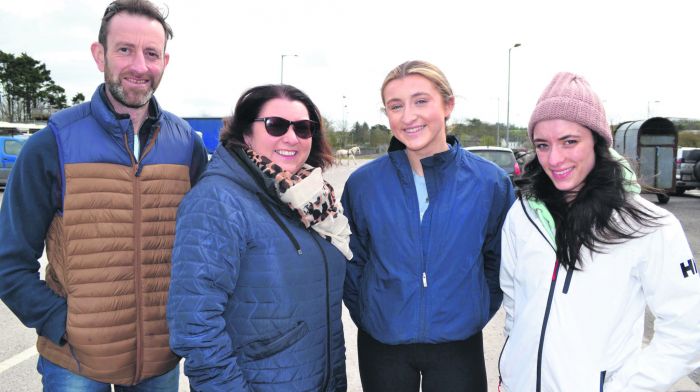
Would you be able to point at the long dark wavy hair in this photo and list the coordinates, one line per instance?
(587, 221)
(248, 109)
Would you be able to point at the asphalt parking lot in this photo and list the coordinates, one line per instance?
(18, 356)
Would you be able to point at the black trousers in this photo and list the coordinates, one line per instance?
(444, 367)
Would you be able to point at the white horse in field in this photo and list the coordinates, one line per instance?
(347, 155)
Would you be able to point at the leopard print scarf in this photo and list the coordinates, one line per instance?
(311, 198)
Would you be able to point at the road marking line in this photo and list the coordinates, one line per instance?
(17, 359)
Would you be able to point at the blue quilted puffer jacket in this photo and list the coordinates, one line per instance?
(255, 298)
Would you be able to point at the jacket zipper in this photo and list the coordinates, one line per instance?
(297, 247)
(137, 276)
(550, 299)
(423, 301)
(424, 267)
(136, 167)
(326, 377)
(500, 379)
(149, 146)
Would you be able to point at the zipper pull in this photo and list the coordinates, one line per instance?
(425, 280)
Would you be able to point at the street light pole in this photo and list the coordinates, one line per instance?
(282, 66)
(498, 121)
(345, 107)
(649, 108)
(508, 99)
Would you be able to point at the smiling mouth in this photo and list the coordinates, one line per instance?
(286, 153)
(137, 81)
(560, 174)
(414, 129)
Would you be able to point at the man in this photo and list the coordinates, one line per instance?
(100, 186)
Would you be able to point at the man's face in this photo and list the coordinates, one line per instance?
(133, 61)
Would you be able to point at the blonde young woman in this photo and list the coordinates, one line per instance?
(426, 221)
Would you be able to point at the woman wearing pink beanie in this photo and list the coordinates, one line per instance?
(583, 255)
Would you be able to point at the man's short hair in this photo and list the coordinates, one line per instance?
(134, 7)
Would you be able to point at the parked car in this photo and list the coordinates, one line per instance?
(501, 156)
(687, 169)
(9, 149)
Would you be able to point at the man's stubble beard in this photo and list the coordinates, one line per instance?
(115, 88)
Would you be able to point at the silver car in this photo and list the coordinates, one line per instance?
(501, 156)
(687, 169)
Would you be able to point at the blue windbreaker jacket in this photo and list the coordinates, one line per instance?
(255, 298)
(429, 281)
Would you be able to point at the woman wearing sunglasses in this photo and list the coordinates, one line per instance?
(426, 222)
(260, 253)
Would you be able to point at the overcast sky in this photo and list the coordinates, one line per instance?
(634, 53)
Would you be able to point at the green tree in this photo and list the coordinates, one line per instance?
(333, 139)
(26, 84)
(55, 96)
(474, 132)
(487, 140)
(8, 75)
(689, 139)
(379, 137)
(687, 124)
(359, 134)
(80, 98)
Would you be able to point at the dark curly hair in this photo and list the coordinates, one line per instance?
(248, 109)
(587, 220)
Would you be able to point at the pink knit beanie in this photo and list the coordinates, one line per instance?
(570, 97)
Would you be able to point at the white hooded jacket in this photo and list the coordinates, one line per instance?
(582, 330)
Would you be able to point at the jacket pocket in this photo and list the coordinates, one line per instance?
(362, 293)
(74, 355)
(56, 270)
(274, 343)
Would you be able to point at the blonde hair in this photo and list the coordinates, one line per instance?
(424, 69)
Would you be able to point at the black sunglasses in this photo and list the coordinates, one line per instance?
(278, 126)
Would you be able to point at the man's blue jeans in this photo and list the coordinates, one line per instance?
(57, 379)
